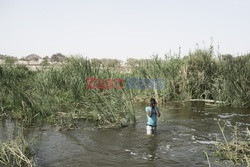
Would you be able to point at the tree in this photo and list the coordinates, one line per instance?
(10, 60)
(46, 58)
(2, 56)
(32, 57)
(45, 63)
(58, 57)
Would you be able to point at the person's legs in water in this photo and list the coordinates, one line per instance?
(151, 130)
(154, 129)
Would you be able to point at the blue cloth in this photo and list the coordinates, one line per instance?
(152, 121)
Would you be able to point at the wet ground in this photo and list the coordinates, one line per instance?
(184, 131)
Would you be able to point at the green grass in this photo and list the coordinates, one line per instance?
(40, 96)
(201, 74)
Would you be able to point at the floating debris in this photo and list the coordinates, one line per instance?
(132, 153)
(206, 142)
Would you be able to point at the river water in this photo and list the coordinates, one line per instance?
(184, 131)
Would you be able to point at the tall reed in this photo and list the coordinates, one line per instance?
(40, 96)
(51, 94)
(201, 74)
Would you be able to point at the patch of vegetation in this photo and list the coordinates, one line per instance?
(236, 150)
(201, 74)
(58, 95)
(16, 152)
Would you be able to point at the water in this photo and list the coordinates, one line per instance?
(184, 131)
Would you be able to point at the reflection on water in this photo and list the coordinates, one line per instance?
(152, 146)
(184, 131)
(8, 129)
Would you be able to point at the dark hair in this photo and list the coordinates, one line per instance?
(152, 102)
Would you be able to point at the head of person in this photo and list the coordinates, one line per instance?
(153, 102)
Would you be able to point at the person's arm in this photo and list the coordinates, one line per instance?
(158, 112)
(149, 112)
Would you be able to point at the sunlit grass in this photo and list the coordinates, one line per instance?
(16, 152)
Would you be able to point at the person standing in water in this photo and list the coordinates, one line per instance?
(152, 114)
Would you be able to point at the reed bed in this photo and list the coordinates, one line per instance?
(201, 74)
(59, 95)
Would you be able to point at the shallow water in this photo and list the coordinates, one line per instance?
(184, 131)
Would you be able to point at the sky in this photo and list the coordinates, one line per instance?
(122, 29)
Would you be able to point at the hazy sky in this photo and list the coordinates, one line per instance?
(122, 28)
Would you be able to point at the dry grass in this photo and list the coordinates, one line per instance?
(237, 150)
(16, 153)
